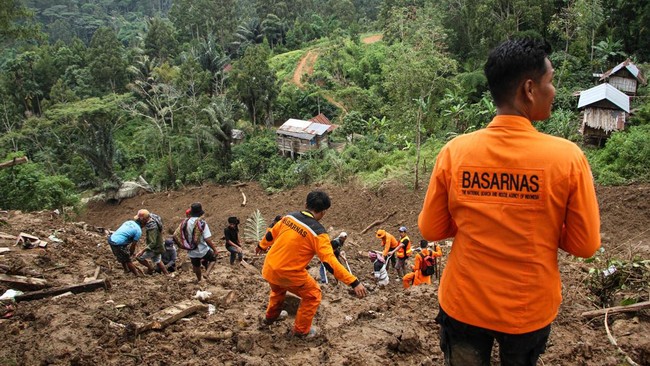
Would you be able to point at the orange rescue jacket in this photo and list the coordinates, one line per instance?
(294, 241)
(406, 247)
(389, 243)
(511, 196)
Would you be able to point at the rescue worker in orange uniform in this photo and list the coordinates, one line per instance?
(511, 197)
(389, 243)
(417, 277)
(291, 245)
(402, 252)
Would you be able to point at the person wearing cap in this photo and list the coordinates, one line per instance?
(402, 252)
(169, 257)
(389, 243)
(231, 234)
(336, 247)
(123, 241)
(205, 250)
(511, 197)
(155, 246)
(291, 245)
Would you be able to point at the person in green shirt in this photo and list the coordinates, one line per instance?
(155, 246)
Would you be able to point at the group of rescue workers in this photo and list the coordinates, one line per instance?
(291, 241)
(509, 196)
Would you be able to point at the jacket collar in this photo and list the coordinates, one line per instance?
(511, 122)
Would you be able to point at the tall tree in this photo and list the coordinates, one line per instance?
(160, 41)
(106, 61)
(89, 127)
(255, 83)
(13, 21)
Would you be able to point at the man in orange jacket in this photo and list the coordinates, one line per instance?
(511, 197)
(293, 242)
(417, 277)
(389, 243)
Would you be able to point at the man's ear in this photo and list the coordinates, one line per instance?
(528, 86)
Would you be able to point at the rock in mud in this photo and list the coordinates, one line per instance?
(407, 342)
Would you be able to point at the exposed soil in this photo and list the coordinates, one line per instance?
(390, 326)
(372, 39)
(305, 66)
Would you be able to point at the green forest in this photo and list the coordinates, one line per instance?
(96, 93)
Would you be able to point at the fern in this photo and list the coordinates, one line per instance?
(255, 227)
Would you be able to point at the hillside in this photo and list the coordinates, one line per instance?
(390, 326)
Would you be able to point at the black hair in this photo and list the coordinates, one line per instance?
(424, 243)
(513, 61)
(318, 201)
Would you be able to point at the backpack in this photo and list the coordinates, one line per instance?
(428, 264)
(180, 235)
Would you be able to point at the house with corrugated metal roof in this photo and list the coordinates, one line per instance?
(625, 77)
(296, 137)
(604, 110)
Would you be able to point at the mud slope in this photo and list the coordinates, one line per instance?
(390, 326)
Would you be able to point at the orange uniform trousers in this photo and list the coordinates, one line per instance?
(310, 295)
(416, 278)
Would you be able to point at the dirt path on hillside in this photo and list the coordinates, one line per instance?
(372, 39)
(305, 66)
(390, 326)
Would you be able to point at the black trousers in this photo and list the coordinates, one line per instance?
(467, 345)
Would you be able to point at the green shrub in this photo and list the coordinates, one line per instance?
(29, 187)
(253, 157)
(625, 157)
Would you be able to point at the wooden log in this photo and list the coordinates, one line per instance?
(14, 161)
(4, 250)
(23, 282)
(170, 315)
(94, 277)
(75, 289)
(243, 203)
(378, 222)
(617, 309)
(223, 297)
(249, 267)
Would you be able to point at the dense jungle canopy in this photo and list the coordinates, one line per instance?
(98, 92)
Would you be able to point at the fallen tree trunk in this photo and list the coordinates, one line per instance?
(75, 289)
(14, 161)
(23, 282)
(617, 309)
(378, 222)
(170, 315)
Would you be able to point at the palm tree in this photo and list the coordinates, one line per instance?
(248, 33)
(218, 131)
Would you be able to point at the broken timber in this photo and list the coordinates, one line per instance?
(378, 222)
(94, 277)
(14, 161)
(23, 282)
(75, 289)
(617, 309)
(170, 315)
(243, 203)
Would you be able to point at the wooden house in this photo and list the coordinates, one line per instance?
(604, 109)
(297, 137)
(625, 77)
